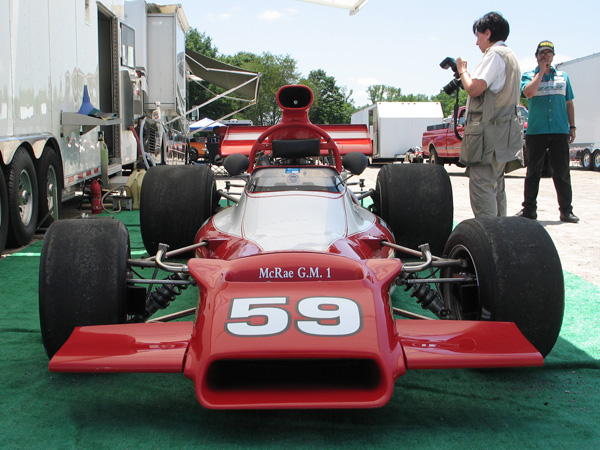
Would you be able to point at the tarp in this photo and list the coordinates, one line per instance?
(205, 124)
(226, 76)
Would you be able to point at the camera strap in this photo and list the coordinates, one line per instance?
(456, 106)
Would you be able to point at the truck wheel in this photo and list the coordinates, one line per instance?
(49, 189)
(416, 202)
(517, 277)
(174, 203)
(3, 212)
(586, 159)
(83, 277)
(596, 160)
(434, 158)
(22, 199)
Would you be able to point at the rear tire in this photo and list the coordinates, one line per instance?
(416, 202)
(83, 277)
(174, 203)
(49, 188)
(518, 277)
(23, 199)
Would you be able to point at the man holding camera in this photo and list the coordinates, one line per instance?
(551, 128)
(493, 131)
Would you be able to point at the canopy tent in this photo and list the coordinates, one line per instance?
(239, 84)
(353, 5)
(205, 124)
(226, 76)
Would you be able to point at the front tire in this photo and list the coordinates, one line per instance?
(83, 277)
(416, 202)
(174, 203)
(518, 277)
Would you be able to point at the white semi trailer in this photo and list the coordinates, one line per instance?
(396, 128)
(583, 73)
(128, 55)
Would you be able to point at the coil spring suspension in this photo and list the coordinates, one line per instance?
(162, 296)
(426, 297)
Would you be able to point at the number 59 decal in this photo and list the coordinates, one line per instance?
(268, 316)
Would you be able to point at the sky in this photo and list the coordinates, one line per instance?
(398, 43)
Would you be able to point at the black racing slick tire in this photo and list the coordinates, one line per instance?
(83, 277)
(23, 199)
(3, 212)
(416, 202)
(517, 277)
(174, 203)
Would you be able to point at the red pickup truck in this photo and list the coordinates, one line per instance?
(440, 144)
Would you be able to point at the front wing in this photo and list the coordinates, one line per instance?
(294, 330)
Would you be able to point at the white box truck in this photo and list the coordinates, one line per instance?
(53, 50)
(397, 128)
(583, 73)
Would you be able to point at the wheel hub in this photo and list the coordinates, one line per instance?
(26, 199)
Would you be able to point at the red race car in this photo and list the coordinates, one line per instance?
(295, 279)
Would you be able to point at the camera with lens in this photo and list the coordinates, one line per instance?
(455, 84)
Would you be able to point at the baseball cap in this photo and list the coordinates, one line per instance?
(545, 44)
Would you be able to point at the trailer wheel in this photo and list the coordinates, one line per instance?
(3, 212)
(416, 202)
(49, 188)
(596, 160)
(174, 203)
(22, 199)
(83, 277)
(517, 277)
(586, 159)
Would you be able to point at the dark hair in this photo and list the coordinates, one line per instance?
(494, 22)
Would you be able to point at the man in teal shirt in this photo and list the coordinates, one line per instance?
(550, 128)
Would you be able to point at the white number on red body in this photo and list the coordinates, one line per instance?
(268, 316)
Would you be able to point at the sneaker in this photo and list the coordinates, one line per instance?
(527, 214)
(571, 218)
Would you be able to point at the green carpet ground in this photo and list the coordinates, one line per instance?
(552, 407)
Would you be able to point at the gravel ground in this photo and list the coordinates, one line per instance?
(578, 244)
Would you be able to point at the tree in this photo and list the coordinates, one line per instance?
(383, 93)
(201, 43)
(277, 71)
(331, 105)
(448, 101)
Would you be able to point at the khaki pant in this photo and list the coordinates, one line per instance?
(486, 189)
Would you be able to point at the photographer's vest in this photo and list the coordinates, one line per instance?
(493, 125)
